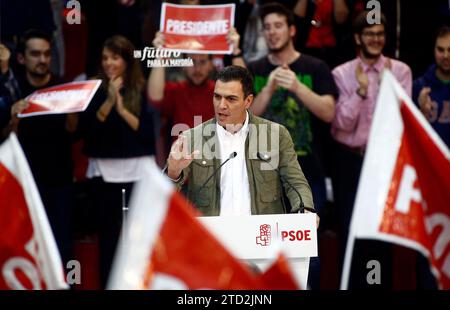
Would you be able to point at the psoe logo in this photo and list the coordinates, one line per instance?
(296, 235)
(264, 235)
(160, 57)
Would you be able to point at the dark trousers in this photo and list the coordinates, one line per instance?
(316, 180)
(315, 176)
(347, 170)
(345, 184)
(58, 203)
(107, 199)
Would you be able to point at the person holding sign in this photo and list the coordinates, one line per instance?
(182, 101)
(118, 132)
(45, 139)
(197, 28)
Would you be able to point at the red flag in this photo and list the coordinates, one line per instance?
(166, 247)
(279, 276)
(418, 204)
(404, 192)
(29, 258)
(193, 256)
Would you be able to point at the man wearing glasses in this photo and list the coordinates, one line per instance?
(358, 82)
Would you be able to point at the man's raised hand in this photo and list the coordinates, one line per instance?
(179, 157)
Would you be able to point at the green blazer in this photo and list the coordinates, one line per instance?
(265, 137)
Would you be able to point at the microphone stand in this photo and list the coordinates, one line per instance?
(232, 155)
(266, 159)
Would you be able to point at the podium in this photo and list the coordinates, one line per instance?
(257, 239)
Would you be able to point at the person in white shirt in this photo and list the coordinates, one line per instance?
(223, 157)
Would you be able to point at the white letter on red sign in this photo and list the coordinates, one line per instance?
(407, 192)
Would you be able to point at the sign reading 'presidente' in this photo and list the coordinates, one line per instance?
(197, 29)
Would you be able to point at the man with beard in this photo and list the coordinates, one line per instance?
(358, 81)
(46, 139)
(432, 90)
(295, 90)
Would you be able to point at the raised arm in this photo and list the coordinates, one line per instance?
(157, 79)
(341, 11)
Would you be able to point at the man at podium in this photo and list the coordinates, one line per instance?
(237, 163)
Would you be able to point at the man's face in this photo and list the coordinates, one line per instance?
(372, 41)
(277, 33)
(442, 54)
(201, 70)
(229, 103)
(113, 64)
(37, 57)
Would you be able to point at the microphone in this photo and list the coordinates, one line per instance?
(265, 158)
(232, 155)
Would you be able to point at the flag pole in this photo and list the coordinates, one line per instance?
(347, 261)
(124, 212)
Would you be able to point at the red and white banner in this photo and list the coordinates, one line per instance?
(404, 191)
(165, 247)
(65, 98)
(200, 29)
(29, 258)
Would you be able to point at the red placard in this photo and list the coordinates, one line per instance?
(65, 98)
(200, 29)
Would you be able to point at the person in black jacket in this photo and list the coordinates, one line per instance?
(45, 139)
(118, 137)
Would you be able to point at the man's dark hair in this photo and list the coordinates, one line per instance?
(361, 22)
(443, 32)
(237, 73)
(32, 34)
(277, 8)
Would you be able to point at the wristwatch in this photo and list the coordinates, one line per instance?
(362, 93)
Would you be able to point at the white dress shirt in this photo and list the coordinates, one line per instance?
(234, 186)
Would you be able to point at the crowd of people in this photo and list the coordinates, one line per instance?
(310, 72)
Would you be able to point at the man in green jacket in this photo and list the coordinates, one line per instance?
(248, 149)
